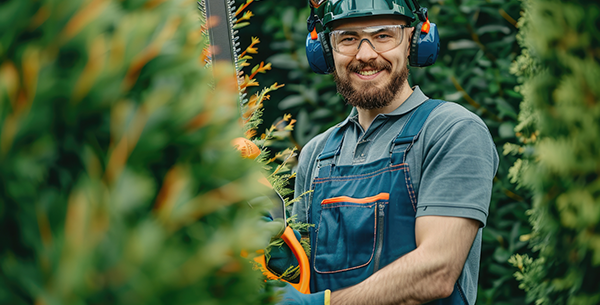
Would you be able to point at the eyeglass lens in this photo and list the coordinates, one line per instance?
(380, 38)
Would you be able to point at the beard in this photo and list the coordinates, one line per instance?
(366, 95)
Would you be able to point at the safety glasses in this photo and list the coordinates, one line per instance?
(382, 38)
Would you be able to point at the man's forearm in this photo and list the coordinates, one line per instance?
(414, 278)
(425, 274)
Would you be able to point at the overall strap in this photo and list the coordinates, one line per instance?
(334, 143)
(332, 148)
(412, 129)
(415, 123)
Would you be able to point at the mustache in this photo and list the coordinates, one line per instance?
(357, 67)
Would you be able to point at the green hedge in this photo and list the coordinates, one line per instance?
(559, 128)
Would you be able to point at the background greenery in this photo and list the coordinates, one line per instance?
(478, 45)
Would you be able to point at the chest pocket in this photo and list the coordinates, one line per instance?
(347, 232)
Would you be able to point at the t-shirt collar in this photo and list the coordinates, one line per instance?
(413, 101)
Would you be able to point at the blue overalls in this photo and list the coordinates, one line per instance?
(364, 215)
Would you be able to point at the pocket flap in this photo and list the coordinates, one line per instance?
(380, 196)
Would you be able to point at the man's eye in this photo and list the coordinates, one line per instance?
(347, 40)
(383, 36)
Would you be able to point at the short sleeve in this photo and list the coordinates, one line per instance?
(459, 163)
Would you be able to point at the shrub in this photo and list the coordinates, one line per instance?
(118, 182)
(559, 131)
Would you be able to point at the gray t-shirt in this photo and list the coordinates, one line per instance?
(452, 166)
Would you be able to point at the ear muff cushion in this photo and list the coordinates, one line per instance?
(327, 52)
(413, 57)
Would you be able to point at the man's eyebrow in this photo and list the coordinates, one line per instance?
(348, 32)
(376, 30)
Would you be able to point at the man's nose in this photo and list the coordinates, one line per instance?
(366, 51)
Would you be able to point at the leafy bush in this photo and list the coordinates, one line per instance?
(118, 182)
(559, 126)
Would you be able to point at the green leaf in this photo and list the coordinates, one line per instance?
(506, 130)
(240, 25)
(291, 101)
(283, 61)
(462, 44)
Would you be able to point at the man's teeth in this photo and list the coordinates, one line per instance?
(367, 73)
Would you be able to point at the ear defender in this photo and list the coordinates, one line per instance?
(425, 45)
(318, 50)
(318, 53)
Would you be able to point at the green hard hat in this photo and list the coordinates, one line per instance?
(342, 9)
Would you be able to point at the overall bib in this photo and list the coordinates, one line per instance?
(364, 215)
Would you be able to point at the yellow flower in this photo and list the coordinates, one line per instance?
(247, 15)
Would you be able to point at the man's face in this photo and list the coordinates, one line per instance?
(371, 80)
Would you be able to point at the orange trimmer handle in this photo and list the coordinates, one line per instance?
(290, 239)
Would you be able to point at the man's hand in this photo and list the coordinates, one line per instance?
(425, 274)
(291, 296)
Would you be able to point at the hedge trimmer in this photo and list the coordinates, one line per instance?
(222, 23)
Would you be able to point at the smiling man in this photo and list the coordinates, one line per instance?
(401, 188)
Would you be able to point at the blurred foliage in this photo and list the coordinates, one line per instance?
(559, 126)
(118, 182)
(478, 45)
